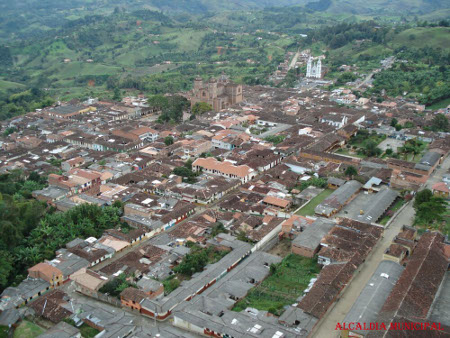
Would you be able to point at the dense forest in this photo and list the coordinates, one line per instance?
(23, 102)
(32, 232)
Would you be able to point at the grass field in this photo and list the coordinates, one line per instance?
(4, 331)
(28, 330)
(440, 104)
(308, 209)
(282, 287)
(7, 85)
(420, 37)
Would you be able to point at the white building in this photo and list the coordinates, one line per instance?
(314, 70)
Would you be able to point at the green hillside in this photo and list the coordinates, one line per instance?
(434, 37)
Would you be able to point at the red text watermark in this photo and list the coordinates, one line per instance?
(355, 326)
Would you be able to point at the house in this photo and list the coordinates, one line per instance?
(51, 306)
(47, 272)
(307, 243)
(132, 298)
(429, 161)
(338, 199)
(151, 287)
(146, 133)
(67, 112)
(29, 142)
(88, 282)
(90, 250)
(26, 291)
(227, 169)
(441, 189)
(278, 202)
(72, 163)
(335, 120)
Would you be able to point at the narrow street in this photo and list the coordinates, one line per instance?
(294, 60)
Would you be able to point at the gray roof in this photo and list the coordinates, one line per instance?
(338, 198)
(9, 317)
(65, 110)
(440, 310)
(14, 296)
(243, 277)
(144, 221)
(336, 181)
(68, 262)
(430, 158)
(148, 284)
(116, 322)
(52, 192)
(373, 296)
(75, 242)
(198, 280)
(377, 205)
(310, 238)
(294, 315)
(373, 181)
(237, 324)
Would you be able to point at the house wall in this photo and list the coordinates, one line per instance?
(181, 323)
(305, 252)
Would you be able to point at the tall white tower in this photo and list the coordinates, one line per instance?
(308, 67)
(319, 69)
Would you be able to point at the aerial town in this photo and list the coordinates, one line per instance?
(275, 212)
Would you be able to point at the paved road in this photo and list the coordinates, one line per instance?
(294, 61)
(325, 329)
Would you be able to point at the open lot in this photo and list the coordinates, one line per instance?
(28, 330)
(308, 209)
(283, 286)
(391, 143)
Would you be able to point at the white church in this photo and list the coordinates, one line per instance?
(314, 70)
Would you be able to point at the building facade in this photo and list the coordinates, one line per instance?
(219, 93)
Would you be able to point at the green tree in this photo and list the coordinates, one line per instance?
(117, 96)
(422, 197)
(6, 268)
(351, 171)
(440, 123)
(168, 140)
(200, 108)
(371, 149)
(431, 211)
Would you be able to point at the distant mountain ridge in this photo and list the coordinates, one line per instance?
(32, 18)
